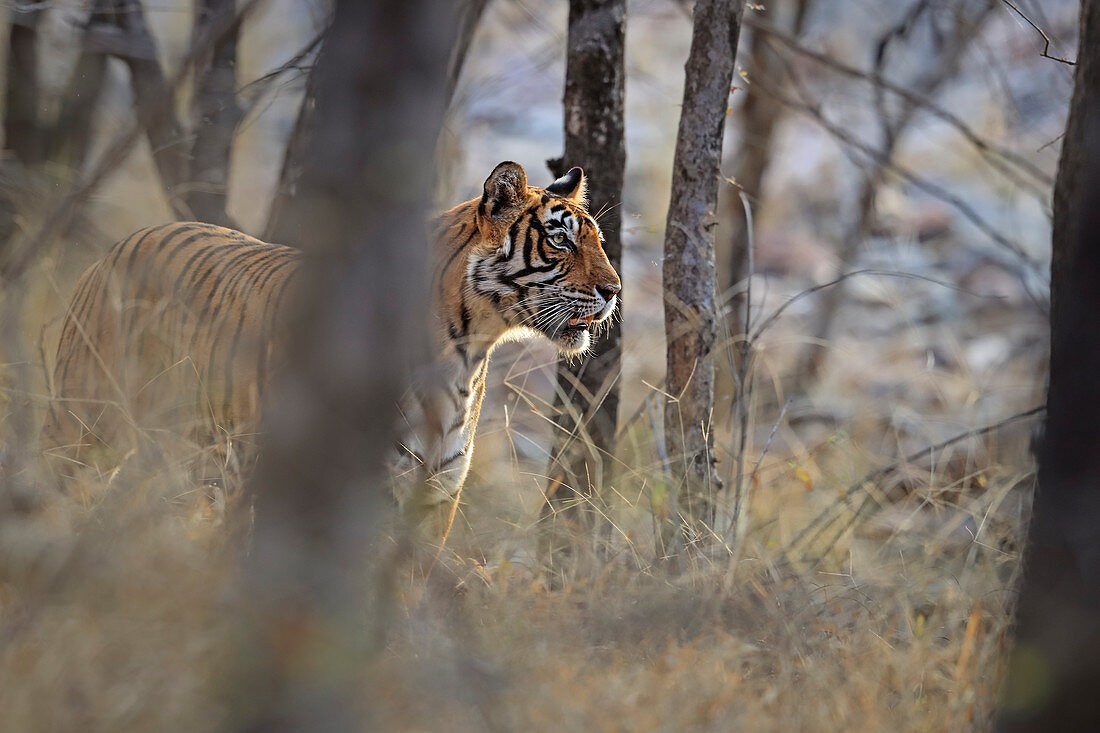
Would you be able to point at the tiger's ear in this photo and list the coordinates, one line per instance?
(573, 186)
(505, 191)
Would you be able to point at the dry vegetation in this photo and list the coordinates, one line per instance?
(117, 601)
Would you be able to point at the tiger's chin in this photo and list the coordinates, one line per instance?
(573, 341)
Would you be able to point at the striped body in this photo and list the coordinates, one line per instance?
(175, 329)
(180, 327)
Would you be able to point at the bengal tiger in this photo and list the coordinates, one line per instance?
(180, 327)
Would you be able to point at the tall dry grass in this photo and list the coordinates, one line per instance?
(117, 615)
(117, 599)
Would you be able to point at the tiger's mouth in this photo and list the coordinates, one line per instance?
(575, 335)
(577, 325)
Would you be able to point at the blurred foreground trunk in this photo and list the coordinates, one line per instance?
(286, 224)
(25, 141)
(360, 323)
(586, 404)
(689, 272)
(1055, 669)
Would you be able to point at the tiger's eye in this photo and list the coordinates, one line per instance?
(558, 238)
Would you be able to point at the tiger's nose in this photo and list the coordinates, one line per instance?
(608, 290)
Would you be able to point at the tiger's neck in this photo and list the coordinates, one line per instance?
(468, 325)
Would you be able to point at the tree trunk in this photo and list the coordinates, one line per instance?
(360, 322)
(166, 138)
(689, 273)
(217, 116)
(71, 135)
(23, 133)
(284, 222)
(468, 20)
(587, 400)
(1055, 669)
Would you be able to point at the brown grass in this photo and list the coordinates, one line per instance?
(114, 610)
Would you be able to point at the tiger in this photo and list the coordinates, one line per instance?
(181, 327)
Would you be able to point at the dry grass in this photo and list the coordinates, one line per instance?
(116, 611)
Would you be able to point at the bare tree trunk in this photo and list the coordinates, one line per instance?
(166, 138)
(689, 272)
(360, 322)
(1055, 669)
(587, 401)
(71, 135)
(217, 116)
(23, 133)
(286, 224)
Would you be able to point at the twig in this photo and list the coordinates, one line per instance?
(1047, 144)
(1046, 39)
(744, 377)
(771, 437)
(821, 524)
(767, 322)
(292, 64)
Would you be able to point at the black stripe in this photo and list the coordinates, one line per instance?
(71, 329)
(136, 250)
(139, 293)
(457, 252)
(195, 263)
(267, 325)
(513, 233)
(233, 259)
(270, 261)
(223, 294)
(463, 313)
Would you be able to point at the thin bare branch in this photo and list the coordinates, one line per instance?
(1045, 53)
(813, 110)
(980, 143)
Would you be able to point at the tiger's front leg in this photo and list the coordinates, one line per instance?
(440, 417)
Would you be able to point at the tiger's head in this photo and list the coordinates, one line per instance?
(540, 260)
